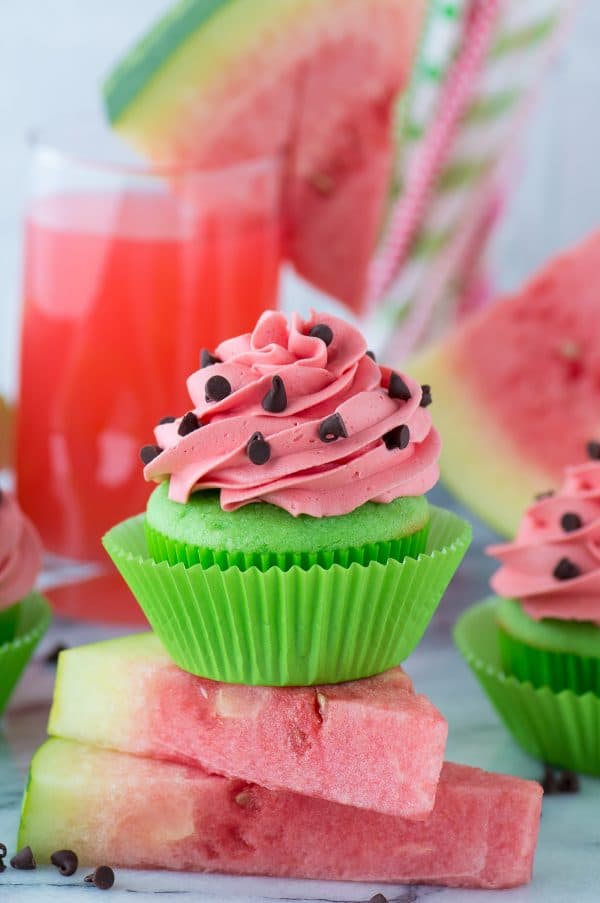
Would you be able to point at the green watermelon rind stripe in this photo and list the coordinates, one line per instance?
(134, 72)
(514, 41)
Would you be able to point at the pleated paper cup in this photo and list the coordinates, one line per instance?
(21, 628)
(561, 729)
(295, 627)
(163, 548)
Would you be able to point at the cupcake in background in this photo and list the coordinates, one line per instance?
(24, 614)
(549, 580)
(289, 540)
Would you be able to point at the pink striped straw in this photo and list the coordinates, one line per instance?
(410, 207)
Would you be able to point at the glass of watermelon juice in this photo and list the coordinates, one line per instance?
(129, 272)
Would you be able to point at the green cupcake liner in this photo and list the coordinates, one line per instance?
(295, 627)
(561, 729)
(547, 668)
(163, 548)
(21, 628)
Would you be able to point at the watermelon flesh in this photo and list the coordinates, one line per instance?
(142, 813)
(517, 389)
(314, 81)
(370, 743)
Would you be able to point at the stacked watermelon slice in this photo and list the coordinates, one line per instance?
(151, 767)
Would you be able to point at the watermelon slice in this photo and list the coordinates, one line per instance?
(517, 389)
(371, 743)
(142, 813)
(219, 81)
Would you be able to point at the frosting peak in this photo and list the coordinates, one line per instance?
(20, 552)
(553, 566)
(300, 416)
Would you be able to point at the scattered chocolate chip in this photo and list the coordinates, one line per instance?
(149, 453)
(332, 428)
(593, 450)
(566, 570)
(398, 388)
(399, 437)
(568, 782)
(23, 860)
(544, 495)
(371, 354)
(548, 781)
(258, 449)
(189, 423)
(217, 388)
(426, 397)
(103, 877)
(3, 852)
(275, 401)
(51, 658)
(378, 898)
(322, 331)
(570, 521)
(166, 420)
(66, 862)
(207, 359)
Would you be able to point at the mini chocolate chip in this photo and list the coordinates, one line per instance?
(544, 495)
(149, 453)
(275, 401)
(189, 423)
(593, 450)
(378, 898)
(258, 449)
(207, 359)
(332, 428)
(322, 331)
(51, 658)
(3, 852)
(399, 437)
(566, 570)
(548, 781)
(217, 388)
(398, 388)
(166, 420)
(568, 782)
(103, 877)
(570, 521)
(66, 862)
(426, 397)
(23, 860)
(371, 354)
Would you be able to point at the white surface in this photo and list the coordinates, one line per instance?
(54, 53)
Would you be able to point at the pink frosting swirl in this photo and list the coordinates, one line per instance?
(553, 566)
(390, 448)
(20, 552)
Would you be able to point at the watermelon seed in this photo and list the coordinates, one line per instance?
(24, 860)
(566, 570)
(398, 388)
(332, 428)
(189, 423)
(217, 388)
(207, 359)
(593, 450)
(149, 452)
(66, 862)
(570, 521)
(320, 705)
(103, 877)
(322, 331)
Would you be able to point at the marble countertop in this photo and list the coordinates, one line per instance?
(567, 864)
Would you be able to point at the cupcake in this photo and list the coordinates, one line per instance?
(535, 647)
(24, 614)
(549, 582)
(289, 540)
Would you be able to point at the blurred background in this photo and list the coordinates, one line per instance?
(55, 53)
